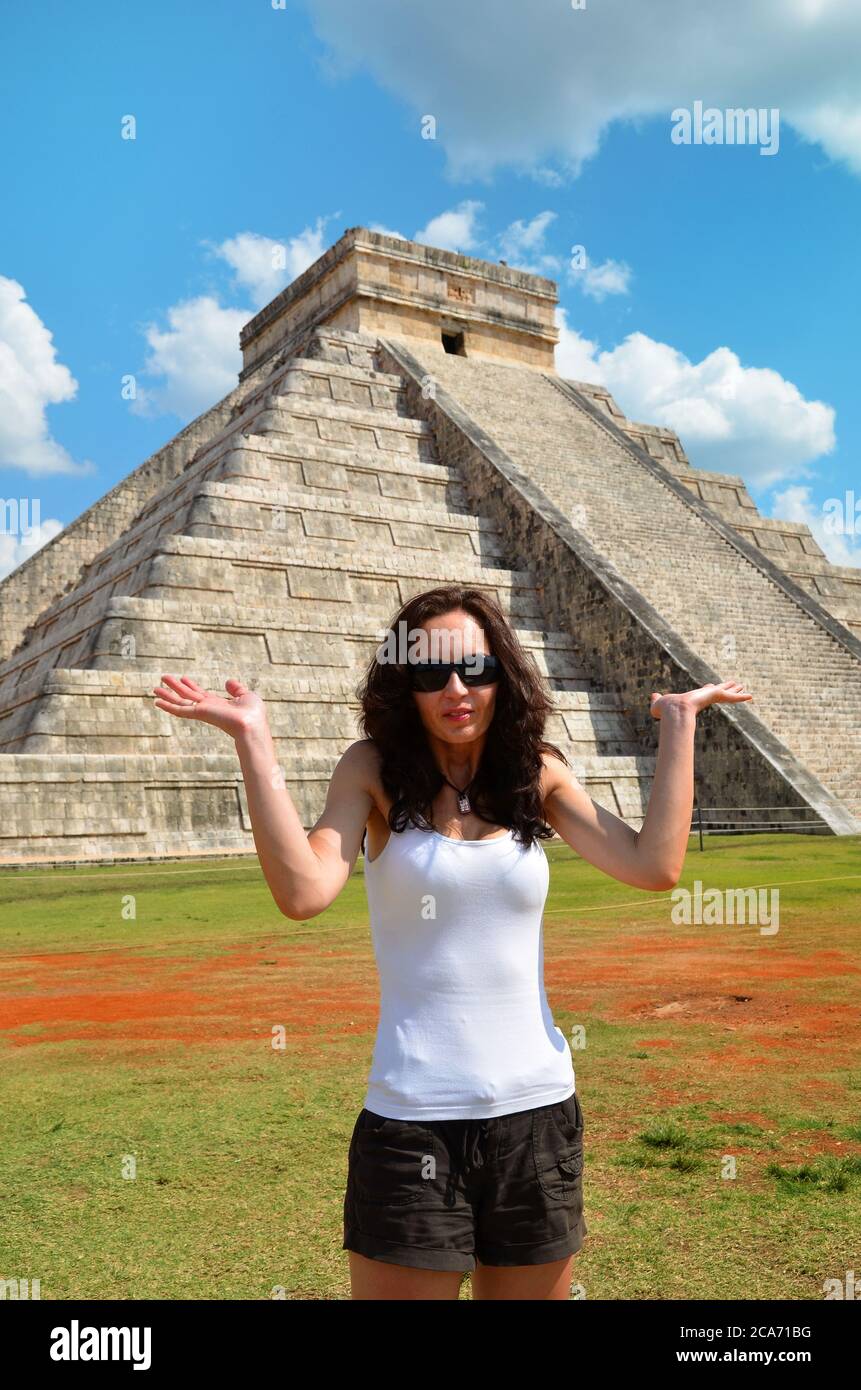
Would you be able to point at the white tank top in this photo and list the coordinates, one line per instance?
(465, 1029)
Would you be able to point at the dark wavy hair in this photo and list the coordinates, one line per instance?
(506, 789)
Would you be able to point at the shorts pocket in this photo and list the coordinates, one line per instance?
(392, 1162)
(568, 1117)
(557, 1146)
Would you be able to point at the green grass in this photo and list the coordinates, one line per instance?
(719, 1081)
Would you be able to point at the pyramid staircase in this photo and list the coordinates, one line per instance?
(719, 600)
(279, 554)
(790, 545)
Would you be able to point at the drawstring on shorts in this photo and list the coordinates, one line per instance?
(472, 1152)
(472, 1155)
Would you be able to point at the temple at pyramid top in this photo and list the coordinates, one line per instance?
(369, 282)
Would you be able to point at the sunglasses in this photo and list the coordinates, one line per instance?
(434, 675)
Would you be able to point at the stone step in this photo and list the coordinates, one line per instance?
(306, 418)
(254, 573)
(340, 345)
(377, 393)
(344, 371)
(296, 517)
(358, 387)
(341, 461)
(289, 396)
(304, 406)
(333, 380)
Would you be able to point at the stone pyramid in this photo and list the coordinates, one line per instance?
(399, 424)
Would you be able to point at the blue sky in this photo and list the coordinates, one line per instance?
(722, 285)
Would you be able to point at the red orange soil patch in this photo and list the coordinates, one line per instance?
(666, 982)
(235, 995)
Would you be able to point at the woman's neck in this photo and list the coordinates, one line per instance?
(458, 763)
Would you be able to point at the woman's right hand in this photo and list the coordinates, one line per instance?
(241, 712)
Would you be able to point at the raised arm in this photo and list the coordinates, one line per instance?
(305, 871)
(598, 835)
(653, 856)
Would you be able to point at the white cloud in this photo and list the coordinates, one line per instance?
(537, 86)
(837, 128)
(264, 266)
(15, 549)
(731, 418)
(521, 245)
(31, 379)
(385, 231)
(197, 358)
(576, 355)
(597, 281)
(454, 230)
(796, 504)
(551, 178)
(528, 236)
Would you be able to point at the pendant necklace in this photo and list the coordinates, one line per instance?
(462, 796)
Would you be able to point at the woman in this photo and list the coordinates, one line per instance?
(468, 1152)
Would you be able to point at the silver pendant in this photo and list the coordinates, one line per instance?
(462, 802)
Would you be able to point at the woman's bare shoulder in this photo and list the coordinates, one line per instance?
(366, 759)
(366, 753)
(369, 767)
(553, 773)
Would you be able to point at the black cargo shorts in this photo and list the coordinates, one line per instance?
(439, 1194)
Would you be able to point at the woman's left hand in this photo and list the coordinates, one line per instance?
(726, 693)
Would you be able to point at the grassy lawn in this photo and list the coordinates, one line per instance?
(720, 1078)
